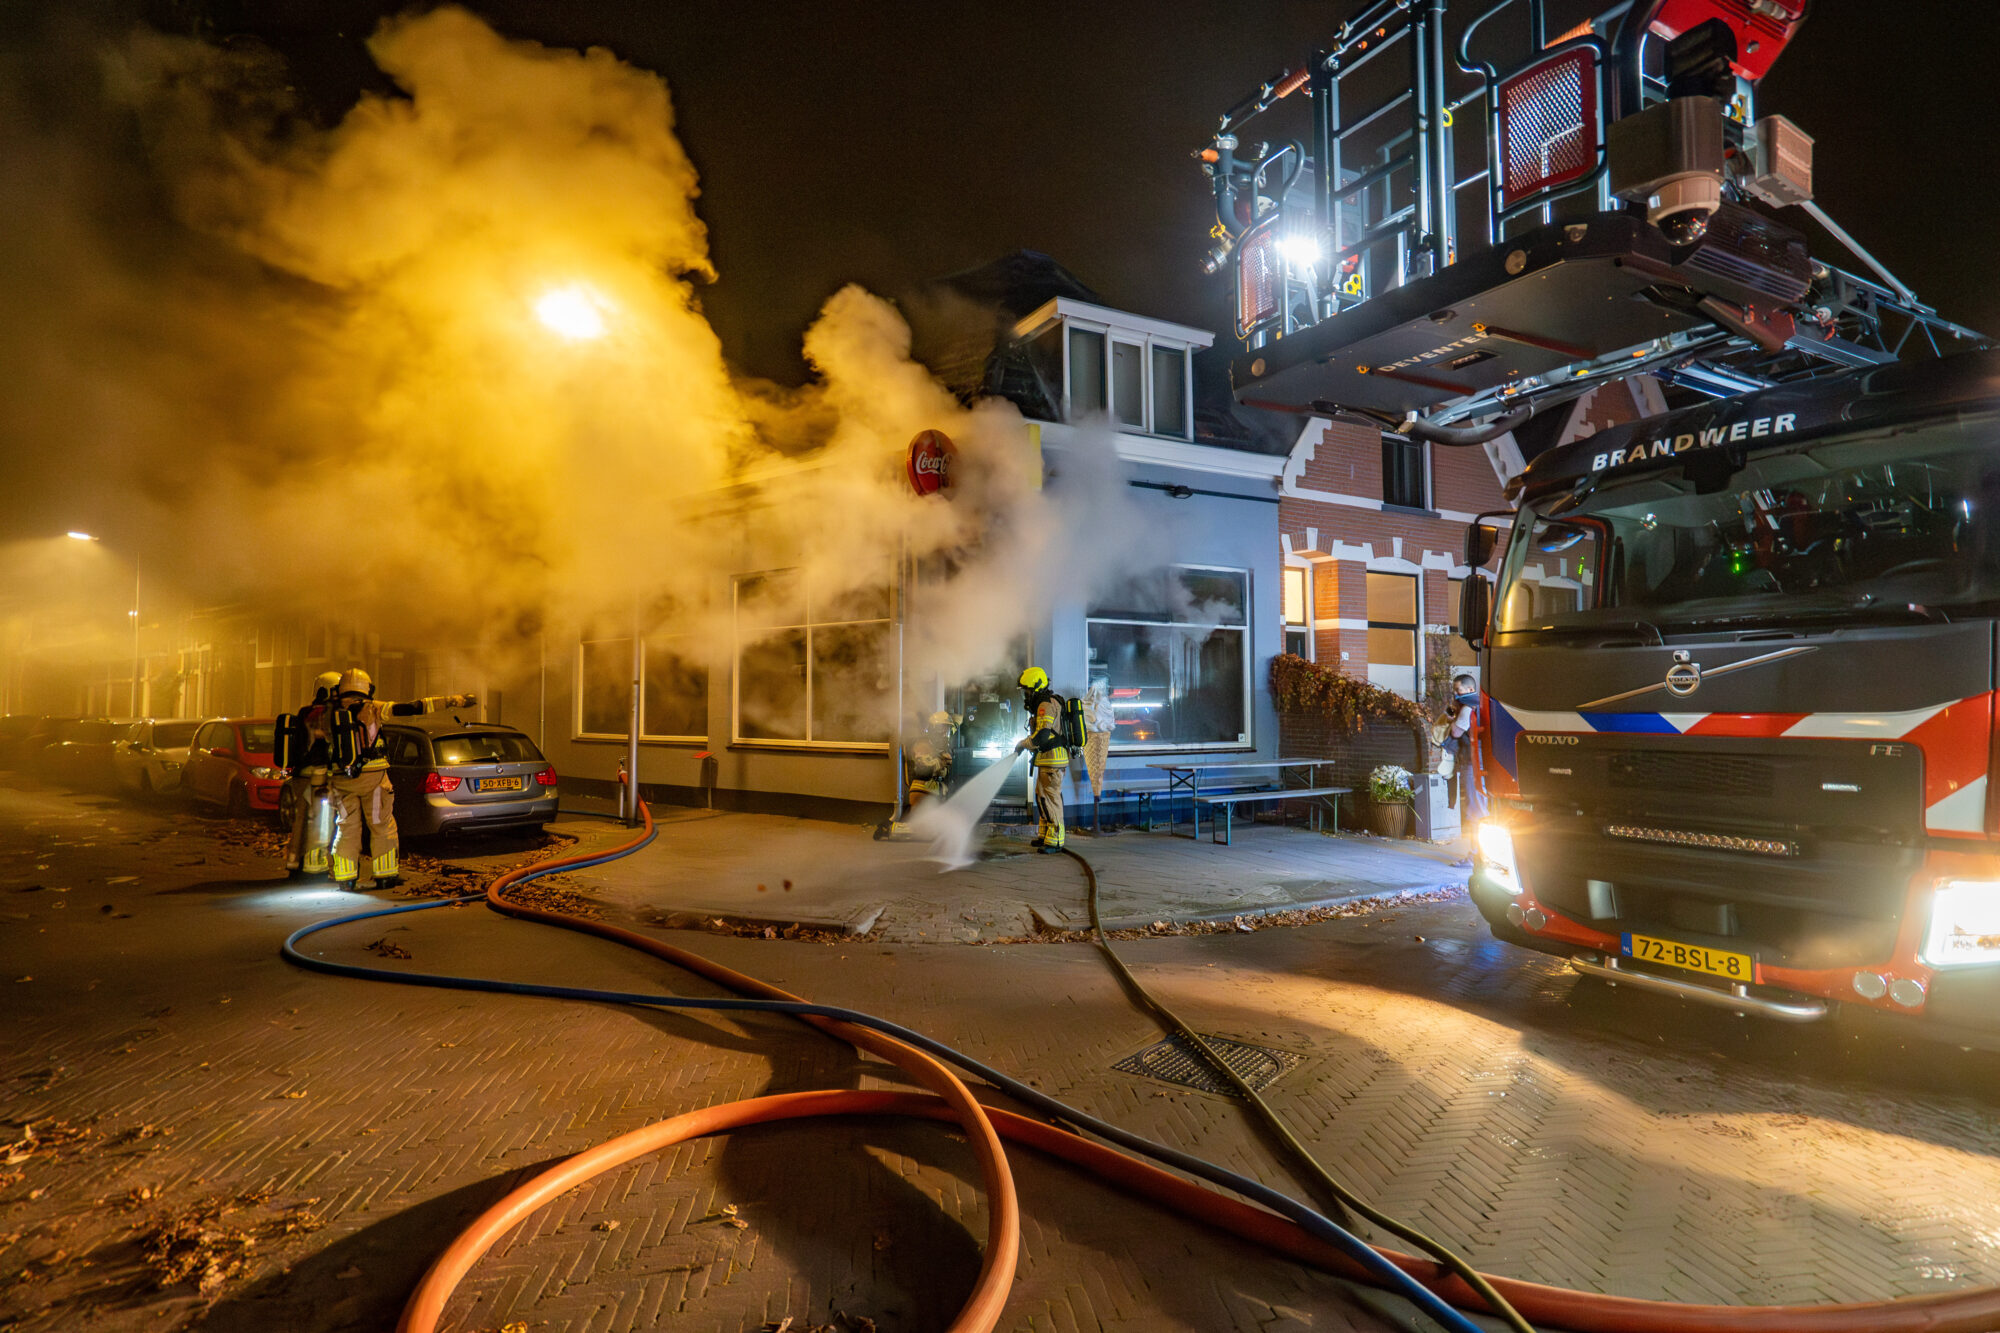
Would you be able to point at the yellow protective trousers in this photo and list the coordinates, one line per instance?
(312, 825)
(1049, 803)
(365, 796)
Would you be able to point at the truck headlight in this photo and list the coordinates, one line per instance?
(1965, 924)
(1496, 854)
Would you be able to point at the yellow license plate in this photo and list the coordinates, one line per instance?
(1694, 957)
(498, 784)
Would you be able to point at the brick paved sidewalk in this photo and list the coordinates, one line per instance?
(766, 867)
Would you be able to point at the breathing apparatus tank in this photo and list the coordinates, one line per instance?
(343, 741)
(289, 742)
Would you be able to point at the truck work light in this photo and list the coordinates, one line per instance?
(1965, 924)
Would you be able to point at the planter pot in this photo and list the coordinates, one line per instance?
(1389, 820)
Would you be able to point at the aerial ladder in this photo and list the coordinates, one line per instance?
(1465, 232)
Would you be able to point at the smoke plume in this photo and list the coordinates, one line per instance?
(440, 370)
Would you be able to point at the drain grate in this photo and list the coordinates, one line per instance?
(1179, 1061)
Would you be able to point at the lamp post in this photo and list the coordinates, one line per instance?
(138, 662)
(576, 313)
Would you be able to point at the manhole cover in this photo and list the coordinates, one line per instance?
(1177, 1060)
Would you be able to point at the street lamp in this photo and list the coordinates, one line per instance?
(576, 312)
(138, 662)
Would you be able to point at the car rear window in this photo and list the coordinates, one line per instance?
(486, 747)
(173, 735)
(98, 732)
(259, 736)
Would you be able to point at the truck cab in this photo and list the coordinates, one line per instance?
(1738, 718)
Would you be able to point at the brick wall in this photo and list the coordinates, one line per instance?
(1351, 758)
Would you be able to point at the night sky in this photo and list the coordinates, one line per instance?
(888, 143)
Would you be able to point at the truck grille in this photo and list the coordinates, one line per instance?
(1725, 775)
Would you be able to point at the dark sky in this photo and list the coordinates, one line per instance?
(886, 143)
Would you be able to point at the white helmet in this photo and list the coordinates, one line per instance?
(356, 681)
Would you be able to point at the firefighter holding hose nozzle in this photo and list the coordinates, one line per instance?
(1049, 727)
(360, 782)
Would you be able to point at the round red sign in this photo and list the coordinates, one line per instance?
(931, 455)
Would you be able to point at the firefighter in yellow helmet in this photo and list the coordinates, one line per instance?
(360, 781)
(306, 854)
(1051, 758)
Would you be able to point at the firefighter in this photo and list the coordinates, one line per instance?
(1045, 737)
(360, 781)
(306, 854)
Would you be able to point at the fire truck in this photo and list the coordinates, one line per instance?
(1738, 658)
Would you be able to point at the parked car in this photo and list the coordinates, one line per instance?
(24, 736)
(79, 753)
(452, 776)
(21, 734)
(152, 754)
(229, 764)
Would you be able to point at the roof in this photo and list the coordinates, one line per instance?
(1018, 284)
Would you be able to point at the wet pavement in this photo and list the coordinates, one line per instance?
(305, 1143)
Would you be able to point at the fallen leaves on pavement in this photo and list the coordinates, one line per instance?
(387, 948)
(1246, 923)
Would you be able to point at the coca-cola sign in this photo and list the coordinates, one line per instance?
(931, 455)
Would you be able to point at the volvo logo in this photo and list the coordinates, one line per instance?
(1533, 739)
(1683, 677)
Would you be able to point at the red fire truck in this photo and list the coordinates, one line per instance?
(1739, 662)
(1739, 700)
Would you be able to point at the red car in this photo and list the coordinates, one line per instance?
(229, 764)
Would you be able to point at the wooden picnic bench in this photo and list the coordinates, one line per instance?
(1186, 777)
(1223, 804)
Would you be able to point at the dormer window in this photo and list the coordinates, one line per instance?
(1133, 370)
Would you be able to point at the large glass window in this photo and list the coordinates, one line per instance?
(1086, 373)
(814, 665)
(1880, 525)
(1403, 473)
(1128, 384)
(1392, 632)
(673, 693)
(1170, 391)
(1175, 647)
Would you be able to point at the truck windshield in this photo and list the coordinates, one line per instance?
(1843, 527)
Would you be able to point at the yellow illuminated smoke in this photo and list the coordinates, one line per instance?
(575, 312)
(439, 371)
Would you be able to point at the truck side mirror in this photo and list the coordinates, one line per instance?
(1480, 539)
(1474, 608)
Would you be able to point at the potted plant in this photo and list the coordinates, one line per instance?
(1390, 795)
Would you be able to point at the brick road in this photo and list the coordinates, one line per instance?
(1553, 1130)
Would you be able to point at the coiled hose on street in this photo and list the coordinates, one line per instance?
(1280, 1224)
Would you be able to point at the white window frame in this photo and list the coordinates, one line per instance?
(1246, 739)
(576, 713)
(1305, 575)
(736, 736)
(1145, 342)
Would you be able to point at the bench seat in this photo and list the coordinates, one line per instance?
(1226, 802)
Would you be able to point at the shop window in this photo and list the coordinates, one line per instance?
(1403, 469)
(814, 665)
(1298, 632)
(1174, 646)
(673, 690)
(1170, 391)
(1392, 632)
(1086, 373)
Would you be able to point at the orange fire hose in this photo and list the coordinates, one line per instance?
(1976, 1311)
